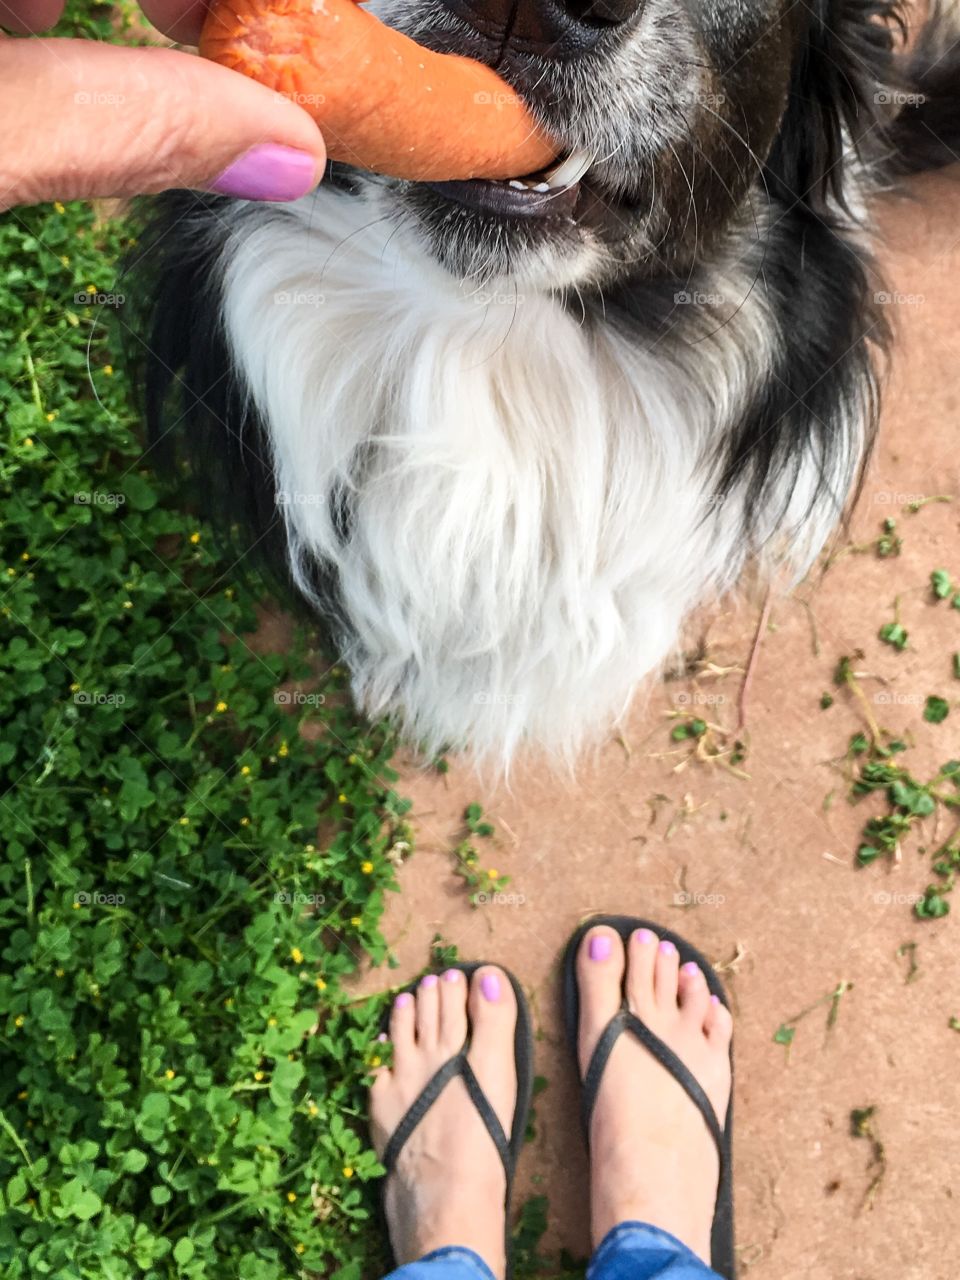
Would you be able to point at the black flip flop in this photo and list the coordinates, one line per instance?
(507, 1148)
(722, 1257)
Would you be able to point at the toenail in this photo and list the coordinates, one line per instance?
(600, 947)
(714, 999)
(490, 986)
(690, 968)
(644, 936)
(667, 948)
(403, 999)
(429, 980)
(452, 975)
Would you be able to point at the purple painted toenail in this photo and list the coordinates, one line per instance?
(452, 975)
(490, 986)
(429, 980)
(644, 936)
(403, 999)
(600, 947)
(714, 999)
(690, 967)
(667, 948)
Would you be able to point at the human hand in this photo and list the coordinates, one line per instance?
(80, 118)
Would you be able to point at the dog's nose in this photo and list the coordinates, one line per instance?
(548, 28)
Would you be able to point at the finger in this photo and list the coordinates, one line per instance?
(179, 19)
(111, 121)
(30, 16)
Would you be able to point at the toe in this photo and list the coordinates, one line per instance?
(453, 1011)
(718, 1022)
(666, 976)
(600, 965)
(641, 960)
(493, 1020)
(694, 994)
(402, 1024)
(428, 1012)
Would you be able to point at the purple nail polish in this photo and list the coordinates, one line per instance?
(268, 172)
(714, 999)
(429, 980)
(600, 947)
(490, 986)
(667, 948)
(644, 936)
(452, 975)
(690, 967)
(403, 999)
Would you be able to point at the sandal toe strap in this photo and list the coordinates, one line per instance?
(456, 1066)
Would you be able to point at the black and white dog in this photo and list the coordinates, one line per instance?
(503, 436)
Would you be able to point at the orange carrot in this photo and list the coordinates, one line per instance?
(382, 101)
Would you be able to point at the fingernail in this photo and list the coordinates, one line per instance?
(490, 986)
(714, 999)
(690, 967)
(429, 980)
(600, 947)
(666, 948)
(402, 1000)
(644, 936)
(268, 172)
(452, 975)
(382, 1038)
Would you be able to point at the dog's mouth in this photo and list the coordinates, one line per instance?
(553, 192)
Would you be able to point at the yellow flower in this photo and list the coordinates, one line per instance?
(11, 573)
(493, 874)
(229, 593)
(18, 1020)
(296, 955)
(291, 1196)
(245, 770)
(28, 441)
(258, 1075)
(128, 604)
(194, 538)
(342, 798)
(169, 1074)
(23, 1095)
(25, 555)
(76, 906)
(244, 822)
(347, 1171)
(366, 867)
(58, 973)
(59, 207)
(313, 1109)
(356, 921)
(108, 370)
(184, 822)
(271, 1022)
(74, 687)
(320, 984)
(309, 848)
(301, 1248)
(375, 1062)
(50, 416)
(228, 1003)
(64, 259)
(284, 749)
(351, 759)
(221, 706)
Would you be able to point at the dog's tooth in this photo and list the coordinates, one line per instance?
(568, 171)
(517, 184)
(542, 186)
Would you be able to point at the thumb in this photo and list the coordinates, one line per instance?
(80, 119)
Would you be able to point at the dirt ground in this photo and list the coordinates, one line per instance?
(778, 903)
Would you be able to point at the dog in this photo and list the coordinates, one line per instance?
(502, 437)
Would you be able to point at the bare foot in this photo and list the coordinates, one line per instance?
(652, 1158)
(449, 1185)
